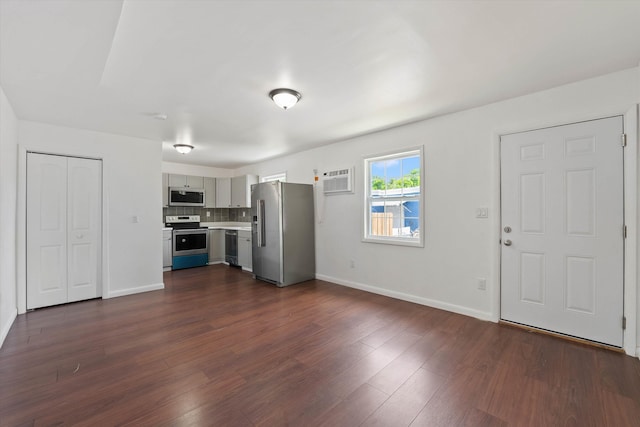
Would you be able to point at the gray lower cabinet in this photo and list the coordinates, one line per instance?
(244, 250)
(216, 246)
(165, 190)
(167, 249)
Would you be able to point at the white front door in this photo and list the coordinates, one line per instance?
(64, 199)
(562, 229)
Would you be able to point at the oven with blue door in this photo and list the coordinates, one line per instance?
(190, 241)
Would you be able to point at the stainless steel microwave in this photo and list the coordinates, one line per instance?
(185, 196)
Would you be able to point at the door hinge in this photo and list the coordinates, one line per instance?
(624, 323)
(623, 139)
(624, 231)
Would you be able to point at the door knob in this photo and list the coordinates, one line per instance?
(507, 242)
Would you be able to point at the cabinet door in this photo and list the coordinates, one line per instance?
(177, 180)
(167, 256)
(216, 246)
(238, 191)
(165, 190)
(209, 192)
(195, 181)
(223, 192)
(241, 190)
(244, 249)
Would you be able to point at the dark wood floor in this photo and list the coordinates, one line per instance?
(218, 348)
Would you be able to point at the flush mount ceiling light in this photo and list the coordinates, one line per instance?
(285, 98)
(183, 148)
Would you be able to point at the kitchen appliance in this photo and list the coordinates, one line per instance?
(190, 241)
(283, 233)
(185, 196)
(231, 246)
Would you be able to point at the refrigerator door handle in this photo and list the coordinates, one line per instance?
(260, 218)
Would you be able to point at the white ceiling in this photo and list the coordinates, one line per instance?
(361, 66)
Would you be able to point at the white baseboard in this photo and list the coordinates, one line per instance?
(410, 298)
(131, 291)
(7, 327)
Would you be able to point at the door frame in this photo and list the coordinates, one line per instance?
(21, 224)
(630, 200)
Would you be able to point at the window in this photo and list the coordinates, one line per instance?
(394, 202)
(275, 177)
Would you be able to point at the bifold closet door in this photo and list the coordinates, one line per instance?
(64, 199)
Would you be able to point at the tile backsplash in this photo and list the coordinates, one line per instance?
(215, 214)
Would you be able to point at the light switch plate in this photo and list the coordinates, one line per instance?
(482, 212)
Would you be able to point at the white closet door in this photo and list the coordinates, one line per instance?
(562, 219)
(46, 230)
(83, 228)
(64, 198)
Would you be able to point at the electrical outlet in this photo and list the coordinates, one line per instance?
(482, 283)
(208, 214)
(244, 213)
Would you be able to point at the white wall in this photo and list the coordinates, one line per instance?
(8, 184)
(461, 173)
(131, 170)
(196, 170)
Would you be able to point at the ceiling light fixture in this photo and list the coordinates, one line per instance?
(285, 98)
(183, 148)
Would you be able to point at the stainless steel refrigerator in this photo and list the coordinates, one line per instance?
(283, 232)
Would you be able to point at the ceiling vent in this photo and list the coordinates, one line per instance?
(338, 181)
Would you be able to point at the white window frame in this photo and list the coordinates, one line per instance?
(368, 199)
(274, 177)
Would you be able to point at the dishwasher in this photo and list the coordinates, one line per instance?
(231, 247)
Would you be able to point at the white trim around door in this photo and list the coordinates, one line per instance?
(631, 344)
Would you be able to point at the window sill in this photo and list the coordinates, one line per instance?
(394, 241)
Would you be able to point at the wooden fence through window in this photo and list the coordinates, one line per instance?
(381, 224)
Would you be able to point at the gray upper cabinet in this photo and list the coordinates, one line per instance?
(186, 181)
(195, 181)
(241, 190)
(218, 192)
(209, 192)
(223, 192)
(165, 189)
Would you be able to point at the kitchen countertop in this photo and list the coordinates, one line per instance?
(226, 227)
(242, 226)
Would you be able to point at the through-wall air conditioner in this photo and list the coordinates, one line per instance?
(338, 181)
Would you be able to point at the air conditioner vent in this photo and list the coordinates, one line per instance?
(338, 181)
